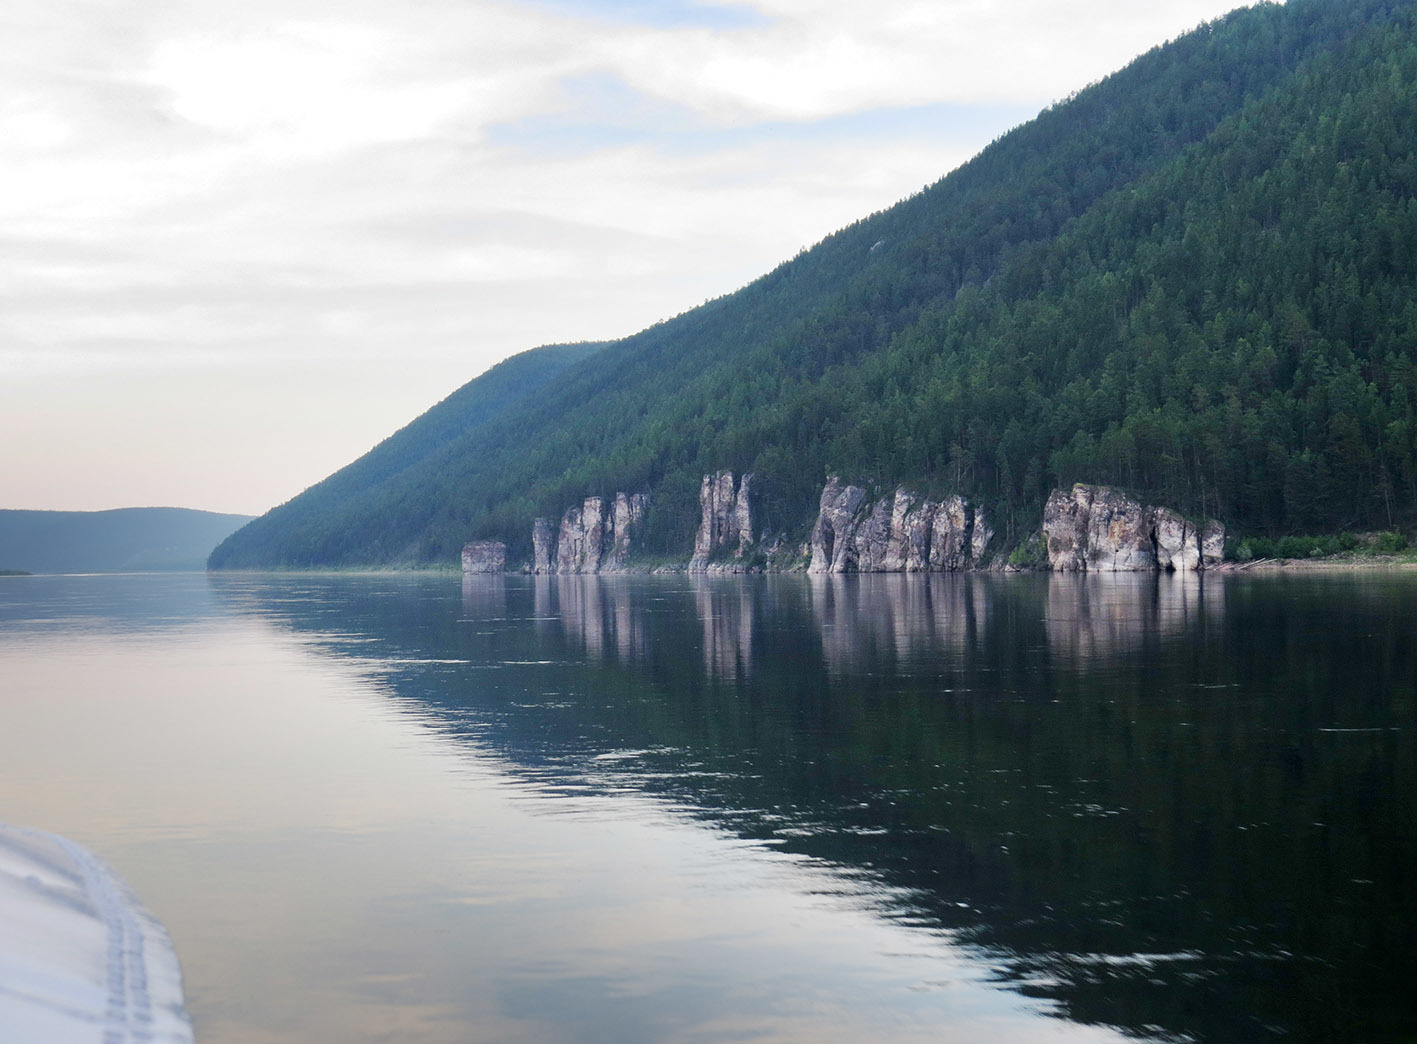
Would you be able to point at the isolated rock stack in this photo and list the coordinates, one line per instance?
(484, 556)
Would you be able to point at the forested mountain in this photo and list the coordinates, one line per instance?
(1194, 279)
(121, 540)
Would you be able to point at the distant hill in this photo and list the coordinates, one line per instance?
(1196, 279)
(122, 540)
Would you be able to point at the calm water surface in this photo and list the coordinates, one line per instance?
(650, 809)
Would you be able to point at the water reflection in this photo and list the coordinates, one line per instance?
(595, 613)
(726, 612)
(1185, 808)
(484, 597)
(120, 602)
(1093, 618)
(862, 618)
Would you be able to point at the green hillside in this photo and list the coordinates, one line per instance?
(1194, 279)
(122, 540)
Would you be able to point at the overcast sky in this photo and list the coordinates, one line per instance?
(241, 242)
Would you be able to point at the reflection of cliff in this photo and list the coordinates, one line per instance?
(1093, 617)
(596, 614)
(862, 618)
(726, 611)
(484, 596)
(605, 616)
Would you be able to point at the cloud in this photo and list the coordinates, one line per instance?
(810, 59)
(196, 187)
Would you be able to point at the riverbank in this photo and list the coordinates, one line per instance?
(1334, 563)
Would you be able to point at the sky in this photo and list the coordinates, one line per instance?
(241, 243)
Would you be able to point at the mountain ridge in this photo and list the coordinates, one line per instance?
(136, 539)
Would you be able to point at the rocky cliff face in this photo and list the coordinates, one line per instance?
(725, 521)
(626, 514)
(543, 546)
(484, 556)
(1100, 529)
(838, 517)
(901, 533)
(580, 537)
(1087, 529)
(591, 538)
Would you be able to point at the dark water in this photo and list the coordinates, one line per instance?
(783, 808)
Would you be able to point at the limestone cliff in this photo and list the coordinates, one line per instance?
(1100, 529)
(900, 533)
(484, 556)
(833, 536)
(590, 538)
(626, 515)
(543, 546)
(1086, 529)
(725, 521)
(579, 540)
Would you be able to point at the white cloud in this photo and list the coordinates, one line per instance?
(815, 58)
(194, 187)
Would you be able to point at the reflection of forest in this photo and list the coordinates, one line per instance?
(1183, 806)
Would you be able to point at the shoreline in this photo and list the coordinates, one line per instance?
(1384, 564)
(1265, 565)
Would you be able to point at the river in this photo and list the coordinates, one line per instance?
(830, 809)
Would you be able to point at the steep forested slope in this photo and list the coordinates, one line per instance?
(1194, 278)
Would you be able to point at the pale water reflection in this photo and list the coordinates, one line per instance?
(865, 619)
(1096, 618)
(712, 809)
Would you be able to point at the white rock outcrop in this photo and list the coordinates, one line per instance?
(1098, 529)
(900, 533)
(591, 538)
(725, 521)
(484, 556)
